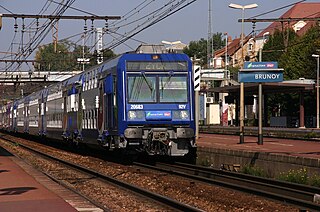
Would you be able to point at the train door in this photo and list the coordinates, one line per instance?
(26, 117)
(15, 117)
(40, 112)
(110, 104)
(45, 110)
(65, 115)
(11, 118)
(79, 113)
(73, 112)
(101, 125)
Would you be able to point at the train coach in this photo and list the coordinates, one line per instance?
(142, 102)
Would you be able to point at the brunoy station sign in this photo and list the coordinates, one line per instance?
(261, 72)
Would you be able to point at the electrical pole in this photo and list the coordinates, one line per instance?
(209, 42)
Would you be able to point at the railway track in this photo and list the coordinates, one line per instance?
(301, 196)
(163, 200)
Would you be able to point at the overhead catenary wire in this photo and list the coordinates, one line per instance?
(277, 9)
(142, 23)
(139, 29)
(37, 39)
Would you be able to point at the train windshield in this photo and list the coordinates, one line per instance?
(151, 89)
(173, 89)
(142, 89)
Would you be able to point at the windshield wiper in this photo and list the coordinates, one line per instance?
(165, 84)
(148, 83)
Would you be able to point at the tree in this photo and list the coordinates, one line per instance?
(106, 54)
(297, 61)
(295, 58)
(198, 49)
(66, 57)
(53, 61)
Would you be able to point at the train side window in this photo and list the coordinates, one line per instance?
(84, 120)
(92, 119)
(87, 81)
(89, 119)
(95, 79)
(91, 80)
(84, 82)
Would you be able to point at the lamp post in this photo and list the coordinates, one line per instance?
(317, 86)
(237, 6)
(260, 134)
(171, 43)
(261, 47)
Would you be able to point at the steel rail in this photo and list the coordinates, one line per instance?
(151, 195)
(295, 194)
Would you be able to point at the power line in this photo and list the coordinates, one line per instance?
(254, 20)
(280, 8)
(57, 17)
(79, 10)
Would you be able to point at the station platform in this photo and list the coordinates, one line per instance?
(276, 155)
(22, 188)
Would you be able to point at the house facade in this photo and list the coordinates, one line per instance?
(253, 44)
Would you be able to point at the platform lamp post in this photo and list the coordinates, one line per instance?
(260, 134)
(237, 6)
(171, 43)
(317, 86)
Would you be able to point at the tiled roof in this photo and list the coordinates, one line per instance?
(233, 47)
(301, 10)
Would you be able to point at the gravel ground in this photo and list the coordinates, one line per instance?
(197, 194)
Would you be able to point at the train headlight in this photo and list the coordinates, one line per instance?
(184, 114)
(136, 115)
(132, 114)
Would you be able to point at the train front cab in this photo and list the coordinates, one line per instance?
(158, 103)
(72, 112)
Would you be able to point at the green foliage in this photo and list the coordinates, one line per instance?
(51, 60)
(300, 176)
(298, 61)
(204, 162)
(65, 57)
(311, 135)
(252, 170)
(295, 176)
(293, 53)
(198, 49)
(274, 48)
(106, 53)
(314, 180)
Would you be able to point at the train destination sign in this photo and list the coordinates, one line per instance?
(260, 65)
(261, 72)
(259, 76)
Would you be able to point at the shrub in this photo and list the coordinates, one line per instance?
(295, 176)
(256, 171)
(315, 180)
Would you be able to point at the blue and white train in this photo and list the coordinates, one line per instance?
(137, 101)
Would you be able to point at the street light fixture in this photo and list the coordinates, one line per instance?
(317, 86)
(171, 43)
(237, 6)
(264, 35)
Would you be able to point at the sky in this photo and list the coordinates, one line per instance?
(191, 23)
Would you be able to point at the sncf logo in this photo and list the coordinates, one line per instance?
(270, 65)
